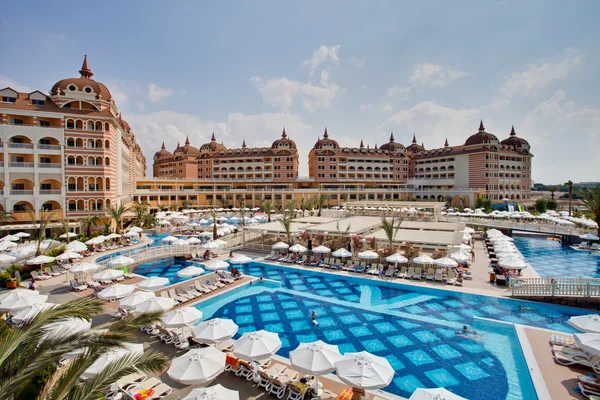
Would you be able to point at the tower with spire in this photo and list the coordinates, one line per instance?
(85, 70)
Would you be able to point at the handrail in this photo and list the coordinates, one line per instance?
(556, 287)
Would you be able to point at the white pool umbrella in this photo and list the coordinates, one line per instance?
(368, 255)
(155, 304)
(240, 259)
(205, 234)
(321, 250)
(169, 239)
(589, 342)
(214, 331)
(424, 260)
(121, 261)
(69, 255)
(10, 238)
(111, 356)
(217, 392)
(7, 245)
(446, 262)
(494, 233)
(210, 245)
(193, 240)
(131, 234)
(316, 358)
(152, 283)
(27, 314)
(255, 346)
(96, 240)
(281, 246)
(68, 235)
(190, 271)
(180, 242)
(108, 275)
(130, 301)
(4, 258)
(197, 366)
(460, 256)
(84, 267)
(67, 326)
(39, 260)
(22, 234)
(434, 394)
(113, 236)
(512, 262)
(117, 291)
(298, 248)
(586, 323)
(588, 236)
(342, 253)
(181, 317)
(364, 370)
(501, 239)
(216, 265)
(396, 258)
(17, 294)
(76, 246)
(12, 305)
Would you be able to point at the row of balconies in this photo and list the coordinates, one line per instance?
(11, 145)
(30, 192)
(31, 165)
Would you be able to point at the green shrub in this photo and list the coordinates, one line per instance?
(541, 206)
(36, 384)
(552, 204)
(55, 252)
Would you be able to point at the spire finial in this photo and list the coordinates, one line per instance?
(446, 143)
(325, 135)
(414, 138)
(512, 131)
(422, 145)
(392, 137)
(376, 148)
(178, 146)
(213, 139)
(361, 144)
(85, 70)
(244, 144)
(283, 134)
(163, 146)
(187, 140)
(481, 128)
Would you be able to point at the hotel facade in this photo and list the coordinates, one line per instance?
(70, 152)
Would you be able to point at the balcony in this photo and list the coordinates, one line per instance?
(21, 192)
(48, 192)
(49, 147)
(21, 164)
(20, 145)
(49, 165)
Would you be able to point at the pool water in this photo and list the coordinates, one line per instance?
(551, 259)
(156, 241)
(166, 269)
(414, 328)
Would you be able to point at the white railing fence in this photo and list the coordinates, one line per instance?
(530, 227)
(556, 287)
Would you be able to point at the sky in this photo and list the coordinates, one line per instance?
(363, 69)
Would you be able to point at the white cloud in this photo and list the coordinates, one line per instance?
(121, 97)
(365, 107)
(319, 96)
(564, 138)
(535, 78)
(359, 62)
(5, 81)
(433, 123)
(386, 107)
(278, 92)
(156, 93)
(435, 75)
(398, 91)
(322, 55)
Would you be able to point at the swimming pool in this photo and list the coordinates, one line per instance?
(413, 327)
(550, 258)
(156, 241)
(166, 269)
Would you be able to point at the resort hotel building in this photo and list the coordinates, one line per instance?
(71, 152)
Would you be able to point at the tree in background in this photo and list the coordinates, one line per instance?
(541, 206)
(88, 222)
(224, 200)
(213, 213)
(241, 202)
(65, 228)
(116, 215)
(185, 204)
(552, 189)
(40, 228)
(551, 204)
(591, 199)
(267, 208)
(319, 201)
(484, 203)
(305, 204)
(390, 228)
(140, 210)
(286, 223)
(570, 190)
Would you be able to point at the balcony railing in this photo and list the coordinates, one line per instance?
(24, 192)
(49, 165)
(49, 146)
(21, 164)
(50, 191)
(20, 145)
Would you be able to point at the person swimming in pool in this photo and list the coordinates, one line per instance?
(313, 317)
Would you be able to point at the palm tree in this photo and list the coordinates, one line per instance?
(286, 222)
(173, 207)
(267, 208)
(552, 189)
(591, 199)
(26, 350)
(570, 189)
(224, 200)
(163, 207)
(305, 204)
(319, 201)
(242, 206)
(344, 198)
(186, 204)
(116, 215)
(40, 228)
(291, 205)
(462, 202)
(140, 210)
(390, 228)
(340, 234)
(65, 228)
(88, 222)
(449, 200)
(5, 217)
(213, 213)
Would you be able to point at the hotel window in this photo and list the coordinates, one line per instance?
(8, 99)
(38, 102)
(44, 124)
(16, 121)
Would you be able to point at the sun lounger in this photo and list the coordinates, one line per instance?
(389, 272)
(149, 383)
(373, 270)
(201, 289)
(588, 391)
(210, 286)
(49, 272)
(451, 278)
(402, 272)
(58, 270)
(323, 263)
(571, 351)
(314, 262)
(180, 292)
(336, 264)
(417, 274)
(410, 273)
(160, 391)
(439, 275)
(190, 290)
(270, 255)
(78, 287)
(277, 387)
(301, 260)
(37, 277)
(224, 279)
(563, 341)
(226, 346)
(176, 297)
(361, 268)
(93, 284)
(565, 359)
(216, 283)
(130, 379)
(589, 381)
(430, 274)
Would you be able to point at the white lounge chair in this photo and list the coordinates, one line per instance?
(564, 359)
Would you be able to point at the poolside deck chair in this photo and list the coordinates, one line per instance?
(130, 379)
(161, 390)
(269, 256)
(314, 262)
(216, 283)
(263, 380)
(180, 292)
(588, 391)
(244, 369)
(589, 381)
(410, 273)
(297, 390)
(49, 272)
(58, 270)
(361, 268)
(373, 270)
(349, 266)
(323, 263)
(224, 279)
(563, 341)
(430, 274)
(402, 272)
(150, 383)
(571, 351)
(451, 278)
(226, 346)
(37, 277)
(210, 286)
(191, 290)
(439, 275)
(564, 359)
(277, 387)
(417, 274)
(389, 272)
(176, 297)
(93, 284)
(301, 260)
(78, 287)
(201, 289)
(336, 264)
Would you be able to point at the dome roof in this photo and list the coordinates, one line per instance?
(392, 146)
(163, 153)
(80, 84)
(414, 147)
(284, 140)
(189, 149)
(326, 142)
(514, 141)
(212, 146)
(481, 137)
